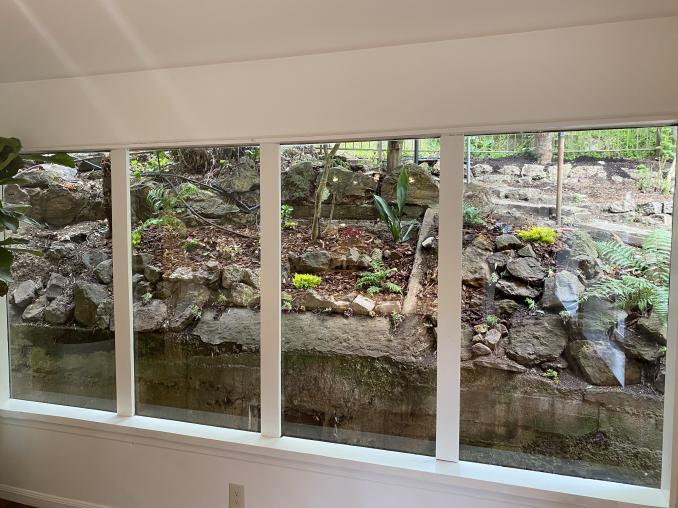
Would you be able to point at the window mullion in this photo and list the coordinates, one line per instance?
(670, 441)
(4, 346)
(449, 296)
(122, 286)
(270, 345)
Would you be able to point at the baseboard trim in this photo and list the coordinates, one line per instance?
(42, 500)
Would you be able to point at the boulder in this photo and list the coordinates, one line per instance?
(498, 260)
(537, 340)
(311, 261)
(312, 300)
(466, 342)
(526, 269)
(47, 175)
(210, 205)
(152, 273)
(651, 208)
(480, 349)
(350, 187)
(509, 169)
(388, 308)
(507, 307)
(243, 295)
(534, 171)
(91, 258)
(637, 346)
(508, 241)
(484, 169)
(88, 297)
(149, 317)
(36, 310)
(243, 176)
(422, 189)
(104, 271)
(595, 320)
(24, 294)
(234, 274)
(474, 269)
(598, 362)
(362, 305)
(652, 327)
(298, 183)
(59, 311)
(104, 319)
(562, 291)
(517, 289)
(527, 252)
(578, 243)
(56, 285)
(494, 362)
(186, 302)
(140, 261)
(492, 338)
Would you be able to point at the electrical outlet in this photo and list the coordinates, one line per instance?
(236, 495)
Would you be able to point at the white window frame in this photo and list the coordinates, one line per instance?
(268, 445)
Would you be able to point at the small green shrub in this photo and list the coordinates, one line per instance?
(538, 234)
(553, 375)
(191, 244)
(531, 304)
(471, 216)
(136, 237)
(377, 281)
(578, 199)
(565, 316)
(286, 220)
(196, 312)
(306, 280)
(491, 320)
(146, 298)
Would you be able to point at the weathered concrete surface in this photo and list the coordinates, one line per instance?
(340, 384)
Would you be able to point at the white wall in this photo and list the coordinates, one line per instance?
(614, 72)
(566, 77)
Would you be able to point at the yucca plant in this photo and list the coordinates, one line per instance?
(642, 280)
(393, 218)
(10, 215)
(377, 281)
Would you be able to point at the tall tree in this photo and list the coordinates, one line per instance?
(394, 154)
(320, 191)
(543, 147)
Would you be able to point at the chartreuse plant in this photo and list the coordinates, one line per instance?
(641, 280)
(10, 164)
(471, 216)
(306, 280)
(538, 234)
(377, 281)
(393, 218)
(491, 320)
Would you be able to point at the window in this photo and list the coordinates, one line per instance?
(60, 303)
(195, 284)
(359, 293)
(565, 302)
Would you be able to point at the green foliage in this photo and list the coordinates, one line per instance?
(393, 218)
(286, 220)
(538, 234)
(166, 201)
(531, 304)
(10, 164)
(578, 199)
(146, 298)
(306, 280)
(150, 161)
(196, 312)
(553, 375)
(377, 281)
(491, 320)
(565, 315)
(136, 237)
(471, 216)
(191, 244)
(642, 275)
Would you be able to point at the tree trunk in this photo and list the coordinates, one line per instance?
(320, 190)
(393, 157)
(543, 147)
(658, 143)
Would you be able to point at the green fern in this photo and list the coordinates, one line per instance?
(376, 281)
(642, 280)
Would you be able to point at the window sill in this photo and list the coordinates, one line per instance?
(478, 480)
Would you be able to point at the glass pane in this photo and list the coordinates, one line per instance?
(195, 236)
(60, 303)
(360, 297)
(565, 308)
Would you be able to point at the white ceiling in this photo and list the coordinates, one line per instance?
(42, 39)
